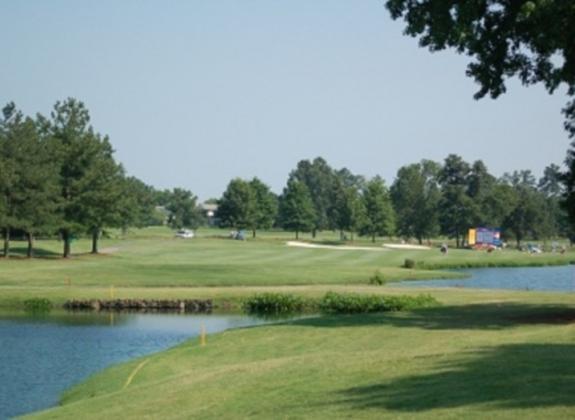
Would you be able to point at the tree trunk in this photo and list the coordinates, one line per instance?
(254, 233)
(30, 251)
(373, 238)
(296, 235)
(7, 242)
(457, 240)
(95, 237)
(67, 247)
(313, 233)
(420, 240)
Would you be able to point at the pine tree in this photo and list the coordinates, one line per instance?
(87, 173)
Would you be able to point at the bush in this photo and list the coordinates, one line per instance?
(37, 305)
(334, 303)
(409, 263)
(351, 303)
(274, 303)
(377, 278)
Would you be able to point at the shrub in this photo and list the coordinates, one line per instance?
(37, 305)
(274, 303)
(377, 278)
(352, 303)
(409, 263)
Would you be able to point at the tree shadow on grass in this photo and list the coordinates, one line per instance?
(19, 252)
(509, 376)
(490, 316)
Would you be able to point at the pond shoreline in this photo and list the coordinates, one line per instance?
(77, 345)
(540, 278)
(141, 305)
(14, 296)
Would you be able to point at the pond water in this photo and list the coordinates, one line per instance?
(557, 278)
(41, 356)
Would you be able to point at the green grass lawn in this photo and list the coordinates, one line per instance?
(481, 355)
(154, 258)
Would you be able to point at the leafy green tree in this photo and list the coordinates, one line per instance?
(492, 205)
(529, 217)
(296, 209)
(161, 197)
(137, 204)
(457, 209)
(568, 196)
(379, 215)
(415, 196)
(523, 178)
(530, 39)
(497, 204)
(350, 180)
(346, 211)
(479, 181)
(237, 207)
(266, 206)
(183, 209)
(318, 177)
(551, 187)
(550, 183)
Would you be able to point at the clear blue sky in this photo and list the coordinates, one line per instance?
(194, 93)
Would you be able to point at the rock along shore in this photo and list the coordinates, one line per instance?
(144, 305)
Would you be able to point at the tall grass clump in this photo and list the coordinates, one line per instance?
(377, 279)
(274, 303)
(37, 305)
(409, 263)
(352, 303)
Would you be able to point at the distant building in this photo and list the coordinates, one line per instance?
(210, 211)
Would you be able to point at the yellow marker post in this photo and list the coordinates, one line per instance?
(111, 292)
(203, 336)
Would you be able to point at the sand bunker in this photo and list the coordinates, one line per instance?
(338, 247)
(385, 247)
(406, 246)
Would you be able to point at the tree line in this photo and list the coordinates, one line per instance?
(58, 176)
(426, 199)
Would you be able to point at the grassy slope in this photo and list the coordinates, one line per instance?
(153, 258)
(484, 355)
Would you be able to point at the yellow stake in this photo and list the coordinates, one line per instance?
(203, 336)
(111, 292)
